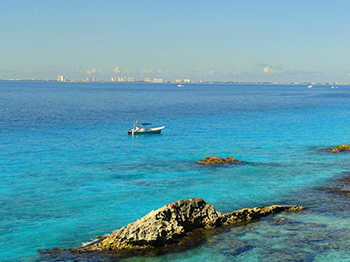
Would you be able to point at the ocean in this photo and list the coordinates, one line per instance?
(70, 172)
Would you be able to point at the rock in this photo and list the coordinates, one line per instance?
(279, 221)
(213, 160)
(248, 214)
(339, 149)
(342, 186)
(161, 226)
(170, 224)
(314, 246)
(235, 247)
(271, 255)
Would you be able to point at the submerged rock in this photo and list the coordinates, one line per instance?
(170, 224)
(235, 247)
(342, 187)
(338, 149)
(213, 160)
(284, 254)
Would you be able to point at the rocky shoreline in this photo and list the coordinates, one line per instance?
(173, 225)
(183, 224)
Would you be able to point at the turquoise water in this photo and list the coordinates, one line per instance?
(70, 172)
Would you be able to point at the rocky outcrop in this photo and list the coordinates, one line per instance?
(339, 149)
(169, 224)
(213, 160)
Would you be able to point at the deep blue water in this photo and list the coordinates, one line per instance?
(70, 172)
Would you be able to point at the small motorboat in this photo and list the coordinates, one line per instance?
(140, 128)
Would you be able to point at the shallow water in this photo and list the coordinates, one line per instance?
(70, 172)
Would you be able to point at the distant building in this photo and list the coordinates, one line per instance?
(187, 80)
(61, 79)
(178, 80)
(125, 79)
(147, 79)
(90, 79)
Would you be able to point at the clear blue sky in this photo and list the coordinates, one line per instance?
(233, 40)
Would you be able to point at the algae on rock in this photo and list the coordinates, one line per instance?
(339, 149)
(214, 160)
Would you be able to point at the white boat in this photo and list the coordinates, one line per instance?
(180, 85)
(310, 86)
(140, 128)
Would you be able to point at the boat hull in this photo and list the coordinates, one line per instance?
(156, 130)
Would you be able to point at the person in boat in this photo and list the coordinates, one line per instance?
(136, 125)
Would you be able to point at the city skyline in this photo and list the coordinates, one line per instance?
(302, 41)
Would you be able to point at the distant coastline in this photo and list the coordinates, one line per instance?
(176, 82)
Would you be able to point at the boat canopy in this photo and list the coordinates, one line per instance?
(141, 125)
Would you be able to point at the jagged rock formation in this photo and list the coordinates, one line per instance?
(213, 160)
(169, 224)
(339, 149)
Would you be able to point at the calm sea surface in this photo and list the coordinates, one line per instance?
(69, 171)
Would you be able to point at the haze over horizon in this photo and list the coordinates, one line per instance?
(201, 40)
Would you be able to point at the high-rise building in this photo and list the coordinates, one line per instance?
(61, 78)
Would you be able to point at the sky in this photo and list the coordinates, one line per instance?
(221, 40)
